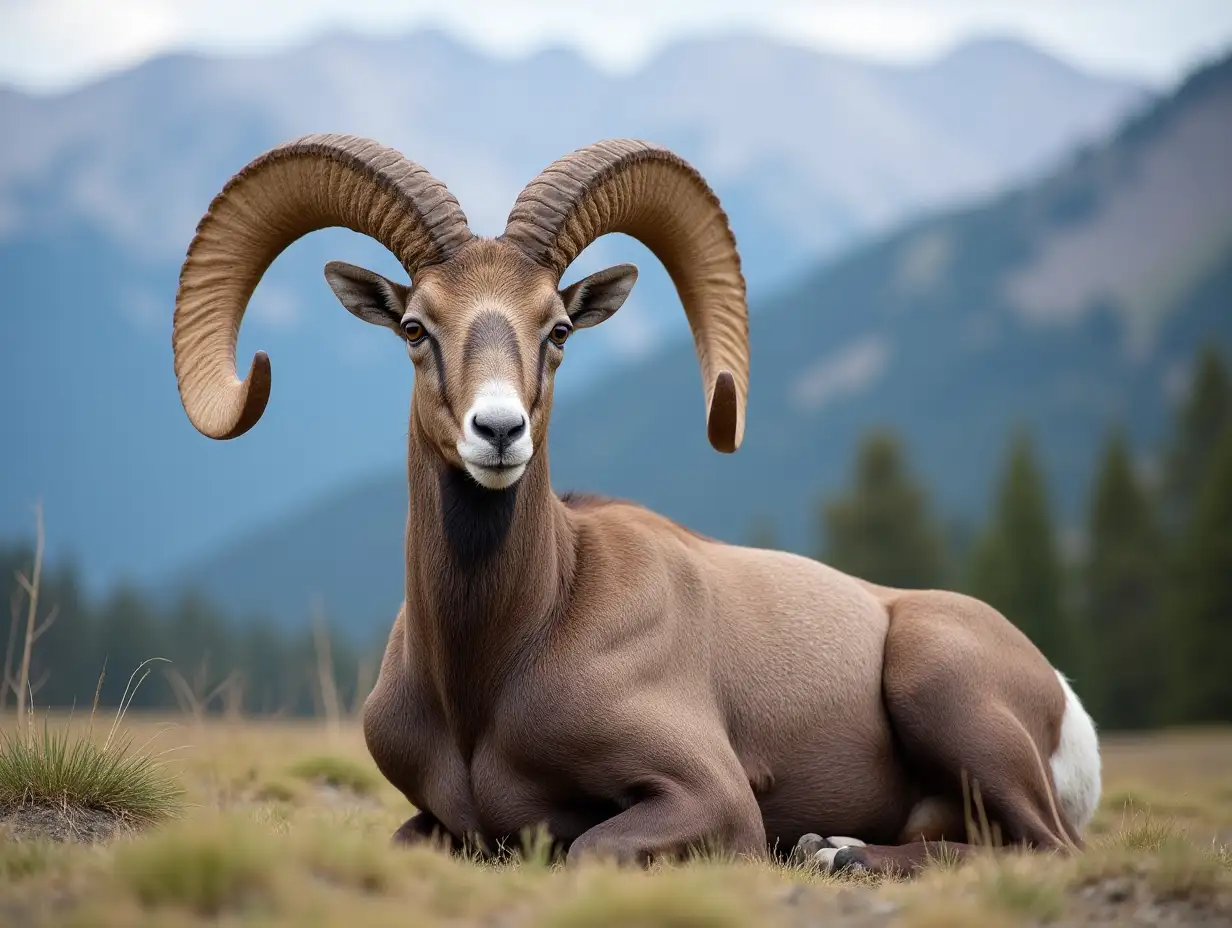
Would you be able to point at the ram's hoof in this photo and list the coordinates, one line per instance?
(807, 847)
(847, 858)
(839, 841)
(829, 855)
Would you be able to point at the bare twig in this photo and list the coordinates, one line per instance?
(35, 687)
(325, 670)
(232, 693)
(365, 678)
(47, 623)
(32, 591)
(194, 700)
(15, 619)
(184, 695)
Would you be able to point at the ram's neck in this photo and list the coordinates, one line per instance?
(486, 571)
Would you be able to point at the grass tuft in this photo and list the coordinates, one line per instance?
(1182, 871)
(614, 900)
(1222, 855)
(60, 770)
(337, 772)
(277, 791)
(1026, 887)
(351, 861)
(207, 868)
(20, 858)
(1145, 832)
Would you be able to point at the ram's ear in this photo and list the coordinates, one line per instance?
(367, 295)
(595, 298)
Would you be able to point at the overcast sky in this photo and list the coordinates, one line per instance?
(51, 44)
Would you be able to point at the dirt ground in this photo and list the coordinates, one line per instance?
(288, 824)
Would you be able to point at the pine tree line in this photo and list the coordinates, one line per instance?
(202, 660)
(1140, 618)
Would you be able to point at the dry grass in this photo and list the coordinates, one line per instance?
(276, 833)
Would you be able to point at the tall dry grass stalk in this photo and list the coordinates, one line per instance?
(194, 700)
(30, 585)
(365, 679)
(14, 624)
(330, 703)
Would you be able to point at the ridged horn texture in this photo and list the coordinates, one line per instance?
(310, 183)
(654, 195)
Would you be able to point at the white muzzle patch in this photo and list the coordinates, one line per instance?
(496, 445)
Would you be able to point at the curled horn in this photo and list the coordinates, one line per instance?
(311, 183)
(654, 195)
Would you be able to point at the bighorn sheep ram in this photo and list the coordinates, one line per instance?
(585, 664)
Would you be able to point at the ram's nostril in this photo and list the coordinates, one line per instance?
(499, 427)
(482, 429)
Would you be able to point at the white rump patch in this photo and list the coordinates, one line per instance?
(1075, 763)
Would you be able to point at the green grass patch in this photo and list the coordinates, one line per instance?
(337, 772)
(277, 791)
(23, 858)
(350, 860)
(1025, 889)
(1146, 832)
(1182, 871)
(58, 769)
(208, 869)
(681, 899)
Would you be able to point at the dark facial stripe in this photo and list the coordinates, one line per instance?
(543, 354)
(440, 375)
(492, 330)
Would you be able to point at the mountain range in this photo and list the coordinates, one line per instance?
(1068, 305)
(100, 189)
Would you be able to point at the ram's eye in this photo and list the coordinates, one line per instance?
(414, 332)
(560, 333)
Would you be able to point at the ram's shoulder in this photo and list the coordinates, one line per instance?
(609, 510)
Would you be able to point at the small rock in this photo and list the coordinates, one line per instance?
(1118, 890)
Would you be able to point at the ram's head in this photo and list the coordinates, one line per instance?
(484, 320)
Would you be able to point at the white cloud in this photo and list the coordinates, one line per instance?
(847, 371)
(53, 43)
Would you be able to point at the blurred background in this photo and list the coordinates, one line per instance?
(989, 255)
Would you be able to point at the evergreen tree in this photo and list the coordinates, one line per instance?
(1016, 567)
(882, 529)
(275, 669)
(199, 647)
(128, 637)
(1200, 422)
(1123, 633)
(1203, 619)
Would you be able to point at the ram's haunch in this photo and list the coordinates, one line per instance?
(587, 664)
